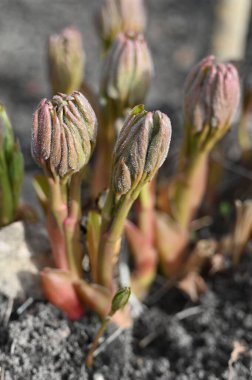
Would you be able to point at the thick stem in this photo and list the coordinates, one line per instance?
(55, 218)
(243, 135)
(146, 211)
(105, 145)
(72, 226)
(113, 217)
(189, 189)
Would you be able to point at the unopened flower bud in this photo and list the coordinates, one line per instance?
(140, 150)
(66, 60)
(211, 95)
(64, 133)
(120, 16)
(127, 70)
(120, 299)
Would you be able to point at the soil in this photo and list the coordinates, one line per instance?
(172, 339)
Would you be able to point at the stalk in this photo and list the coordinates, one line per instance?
(113, 218)
(90, 358)
(189, 189)
(72, 227)
(146, 211)
(105, 147)
(55, 219)
(6, 204)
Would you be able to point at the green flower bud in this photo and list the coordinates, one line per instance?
(120, 16)
(64, 133)
(127, 70)
(120, 299)
(140, 150)
(66, 60)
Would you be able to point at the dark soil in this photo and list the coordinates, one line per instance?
(172, 339)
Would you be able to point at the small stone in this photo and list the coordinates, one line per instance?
(23, 253)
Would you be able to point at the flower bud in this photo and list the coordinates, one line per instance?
(120, 299)
(127, 70)
(211, 95)
(140, 150)
(64, 133)
(66, 60)
(120, 16)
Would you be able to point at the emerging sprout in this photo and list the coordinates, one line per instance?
(66, 60)
(64, 133)
(127, 70)
(212, 94)
(11, 170)
(140, 150)
(120, 16)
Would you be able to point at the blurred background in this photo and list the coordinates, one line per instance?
(179, 34)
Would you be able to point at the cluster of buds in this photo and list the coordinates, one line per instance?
(11, 171)
(66, 60)
(63, 137)
(127, 71)
(117, 16)
(64, 133)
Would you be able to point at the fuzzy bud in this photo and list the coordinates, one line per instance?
(120, 299)
(66, 60)
(127, 70)
(140, 150)
(211, 95)
(64, 133)
(120, 16)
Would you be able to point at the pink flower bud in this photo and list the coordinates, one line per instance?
(127, 70)
(66, 60)
(64, 133)
(211, 95)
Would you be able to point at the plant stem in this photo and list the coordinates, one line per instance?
(113, 217)
(105, 145)
(55, 218)
(189, 188)
(72, 227)
(6, 202)
(89, 359)
(146, 211)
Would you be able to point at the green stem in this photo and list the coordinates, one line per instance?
(146, 211)
(55, 218)
(189, 188)
(105, 145)
(113, 217)
(90, 358)
(243, 135)
(6, 202)
(72, 226)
